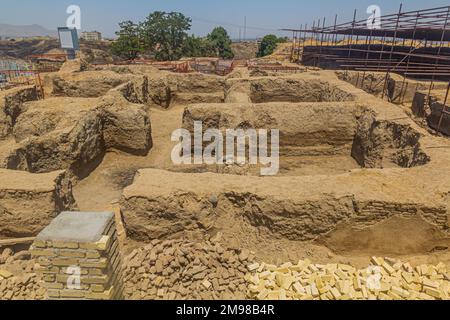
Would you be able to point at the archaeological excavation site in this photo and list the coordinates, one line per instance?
(94, 207)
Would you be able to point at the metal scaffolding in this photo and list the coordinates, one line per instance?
(414, 44)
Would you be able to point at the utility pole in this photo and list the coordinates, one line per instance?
(245, 28)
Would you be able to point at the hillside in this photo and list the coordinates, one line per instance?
(13, 31)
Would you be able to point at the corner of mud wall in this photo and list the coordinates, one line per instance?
(418, 104)
(380, 144)
(437, 119)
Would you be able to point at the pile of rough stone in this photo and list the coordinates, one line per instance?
(17, 278)
(184, 270)
(385, 279)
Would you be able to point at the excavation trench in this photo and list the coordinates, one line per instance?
(321, 196)
(315, 138)
(341, 165)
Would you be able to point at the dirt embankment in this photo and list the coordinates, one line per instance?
(245, 50)
(29, 202)
(86, 114)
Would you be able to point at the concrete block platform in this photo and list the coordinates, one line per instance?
(79, 257)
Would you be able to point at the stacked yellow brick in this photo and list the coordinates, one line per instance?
(85, 268)
(385, 279)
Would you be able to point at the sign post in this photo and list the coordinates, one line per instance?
(68, 39)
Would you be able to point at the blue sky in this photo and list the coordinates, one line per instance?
(262, 16)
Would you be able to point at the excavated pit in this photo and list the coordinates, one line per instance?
(295, 90)
(349, 171)
(316, 138)
(341, 167)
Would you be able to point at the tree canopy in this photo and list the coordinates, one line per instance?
(269, 44)
(198, 47)
(127, 45)
(222, 43)
(164, 36)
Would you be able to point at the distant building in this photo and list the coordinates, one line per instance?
(91, 36)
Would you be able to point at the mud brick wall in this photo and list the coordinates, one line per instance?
(79, 257)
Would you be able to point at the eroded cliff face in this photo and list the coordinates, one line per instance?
(384, 144)
(12, 105)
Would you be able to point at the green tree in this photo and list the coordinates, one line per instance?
(127, 46)
(198, 47)
(268, 45)
(222, 43)
(164, 34)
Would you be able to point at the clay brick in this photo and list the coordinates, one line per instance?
(325, 289)
(341, 275)
(265, 275)
(99, 264)
(95, 280)
(62, 278)
(72, 253)
(433, 292)
(55, 285)
(407, 277)
(206, 284)
(428, 283)
(5, 274)
(61, 262)
(253, 267)
(390, 270)
(49, 278)
(53, 293)
(97, 288)
(96, 271)
(314, 291)
(377, 261)
(47, 270)
(92, 254)
(101, 245)
(357, 283)
(335, 292)
(65, 245)
(298, 288)
(263, 295)
(44, 261)
(42, 252)
(73, 293)
(400, 292)
(40, 244)
(282, 295)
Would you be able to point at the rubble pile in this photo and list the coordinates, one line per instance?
(17, 278)
(385, 279)
(183, 270)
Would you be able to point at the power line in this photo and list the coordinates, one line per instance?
(234, 25)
